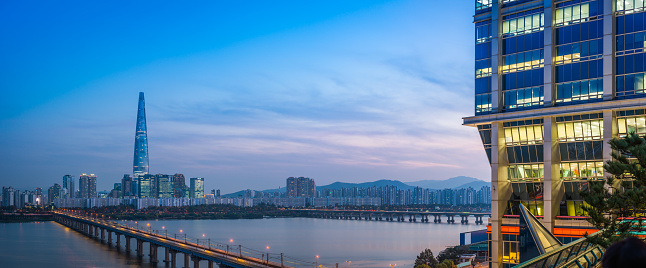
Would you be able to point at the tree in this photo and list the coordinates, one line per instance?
(425, 258)
(616, 204)
(452, 253)
(446, 264)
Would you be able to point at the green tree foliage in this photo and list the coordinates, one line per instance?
(447, 264)
(453, 253)
(615, 204)
(426, 260)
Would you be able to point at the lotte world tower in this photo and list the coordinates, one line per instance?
(140, 163)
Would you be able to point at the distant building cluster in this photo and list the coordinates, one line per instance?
(15, 198)
(300, 187)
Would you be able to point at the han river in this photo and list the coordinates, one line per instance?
(346, 242)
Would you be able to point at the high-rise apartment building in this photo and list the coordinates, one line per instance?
(140, 162)
(197, 188)
(68, 186)
(8, 196)
(53, 193)
(300, 187)
(554, 82)
(87, 186)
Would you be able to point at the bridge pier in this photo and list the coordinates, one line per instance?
(89, 231)
(153, 253)
(210, 263)
(196, 261)
(173, 261)
(118, 245)
(102, 235)
(186, 260)
(140, 248)
(167, 255)
(127, 243)
(109, 238)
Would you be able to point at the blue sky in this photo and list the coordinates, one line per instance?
(242, 93)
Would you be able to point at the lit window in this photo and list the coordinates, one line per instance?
(580, 130)
(582, 171)
(525, 173)
(572, 14)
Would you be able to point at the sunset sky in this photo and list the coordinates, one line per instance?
(242, 93)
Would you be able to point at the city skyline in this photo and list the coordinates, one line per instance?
(336, 92)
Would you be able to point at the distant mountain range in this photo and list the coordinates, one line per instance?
(452, 183)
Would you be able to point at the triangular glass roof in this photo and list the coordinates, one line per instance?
(545, 240)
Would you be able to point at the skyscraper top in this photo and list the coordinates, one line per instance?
(140, 161)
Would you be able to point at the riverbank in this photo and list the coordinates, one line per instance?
(25, 217)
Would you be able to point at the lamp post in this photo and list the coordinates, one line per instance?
(348, 263)
(317, 260)
(267, 255)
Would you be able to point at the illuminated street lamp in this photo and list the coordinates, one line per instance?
(317, 260)
(267, 255)
(348, 263)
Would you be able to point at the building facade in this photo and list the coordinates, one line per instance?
(300, 187)
(197, 188)
(179, 183)
(554, 82)
(140, 162)
(87, 186)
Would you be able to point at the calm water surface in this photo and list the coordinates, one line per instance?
(363, 243)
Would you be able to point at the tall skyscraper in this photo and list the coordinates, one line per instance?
(147, 187)
(68, 186)
(300, 187)
(54, 193)
(87, 186)
(554, 82)
(126, 186)
(164, 186)
(140, 162)
(179, 184)
(8, 196)
(197, 188)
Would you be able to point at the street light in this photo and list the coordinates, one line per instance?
(348, 263)
(317, 260)
(267, 255)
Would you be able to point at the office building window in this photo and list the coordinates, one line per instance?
(580, 130)
(525, 173)
(590, 170)
(523, 61)
(483, 103)
(523, 23)
(631, 85)
(510, 252)
(579, 92)
(631, 124)
(523, 135)
(483, 68)
(483, 32)
(582, 51)
(524, 98)
(483, 4)
(574, 13)
(630, 6)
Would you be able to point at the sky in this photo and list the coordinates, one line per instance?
(241, 93)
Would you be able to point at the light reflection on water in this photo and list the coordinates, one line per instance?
(363, 243)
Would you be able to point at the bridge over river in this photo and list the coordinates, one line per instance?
(400, 216)
(198, 250)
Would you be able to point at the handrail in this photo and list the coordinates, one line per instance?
(541, 261)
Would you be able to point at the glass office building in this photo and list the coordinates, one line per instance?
(554, 82)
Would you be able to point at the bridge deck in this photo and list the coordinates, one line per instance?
(205, 252)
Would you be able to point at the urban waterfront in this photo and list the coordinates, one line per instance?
(363, 243)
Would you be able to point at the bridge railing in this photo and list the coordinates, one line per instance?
(579, 253)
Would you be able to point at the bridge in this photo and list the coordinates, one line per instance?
(400, 216)
(197, 250)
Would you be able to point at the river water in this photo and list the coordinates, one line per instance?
(346, 242)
